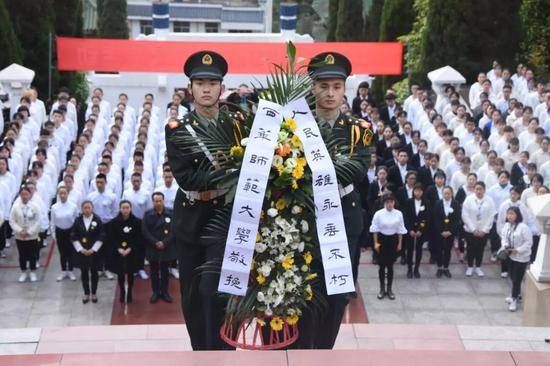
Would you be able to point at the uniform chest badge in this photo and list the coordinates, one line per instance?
(124, 244)
(165, 231)
(84, 240)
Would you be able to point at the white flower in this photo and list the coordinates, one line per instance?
(301, 246)
(244, 141)
(126, 229)
(167, 219)
(277, 160)
(304, 268)
(260, 297)
(94, 224)
(290, 163)
(260, 247)
(265, 270)
(272, 212)
(296, 210)
(304, 226)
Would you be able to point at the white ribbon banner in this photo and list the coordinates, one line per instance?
(247, 206)
(331, 229)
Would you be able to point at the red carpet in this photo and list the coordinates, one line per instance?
(140, 311)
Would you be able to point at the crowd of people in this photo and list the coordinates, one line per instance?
(444, 173)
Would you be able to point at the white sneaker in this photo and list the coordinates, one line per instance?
(175, 273)
(143, 274)
(37, 265)
(469, 272)
(8, 243)
(2, 254)
(509, 299)
(109, 275)
(513, 305)
(146, 262)
(23, 277)
(61, 276)
(479, 272)
(33, 276)
(71, 276)
(493, 258)
(503, 274)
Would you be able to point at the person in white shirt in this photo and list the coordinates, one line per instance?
(528, 135)
(63, 215)
(478, 212)
(475, 90)
(512, 154)
(387, 228)
(138, 197)
(498, 193)
(25, 223)
(170, 188)
(542, 155)
(537, 182)
(517, 240)
(460, 176)
(479, 157)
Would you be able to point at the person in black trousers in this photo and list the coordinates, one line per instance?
(87, 236)
(123, 237)
(387, 228)
(160, 249)
(446, 225)
(417, 221)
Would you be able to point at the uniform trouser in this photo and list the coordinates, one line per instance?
(411, 247)
(444, 246)
(89, 275)
(517, 271)
(122, 280)
(494, 238)
(3, 235)
(386, 259)
(536, 239)
(475, 249)
(27, 253)
(66, 249)
(159, 276)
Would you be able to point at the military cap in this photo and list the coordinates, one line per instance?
(329, 65)
(205, 64)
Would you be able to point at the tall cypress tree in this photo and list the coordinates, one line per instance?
(9, 44)
(534, 45)
(372, 21)
(396, 20)
(33, 22)
(112, 22)
(332, 20)
(349, 21)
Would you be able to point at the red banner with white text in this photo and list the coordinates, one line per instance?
(113, 55)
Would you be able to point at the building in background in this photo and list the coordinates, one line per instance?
(204, 16)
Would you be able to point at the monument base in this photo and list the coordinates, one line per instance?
(536, 310)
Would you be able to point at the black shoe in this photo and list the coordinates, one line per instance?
(410, 273)
(381, 295)
(94, 299)
(390, 294)
(439, 273)
(167, 298)
(86, 299)
(403, 261)
(416, 273)
(154, 298)
(447, 273)
(122, 297)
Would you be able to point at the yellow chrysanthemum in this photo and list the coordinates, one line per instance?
(280, 169)
(291, 320)
(311, 276)
(262, 215)
(309, 293)
(298, 172)
(280, 204)
(308, 257)
(258, 237)
(295, 140)
(301, 162)
(287, 262)
(260, 279)
(276, 323)
(294, 184)
(260, 321)
(236, 152)
(290, 123)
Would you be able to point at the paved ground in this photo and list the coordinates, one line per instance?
(428, 300)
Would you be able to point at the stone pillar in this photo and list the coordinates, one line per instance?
(536, 310)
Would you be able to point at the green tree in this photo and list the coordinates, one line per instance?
(112, 21)
(33, 22)
(332, 20)
(396, 20)
(350, 21)
(372, 21)
(9, 44)
(536, 36)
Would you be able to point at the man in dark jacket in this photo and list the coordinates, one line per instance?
(159, 246)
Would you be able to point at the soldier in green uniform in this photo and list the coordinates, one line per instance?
(329, 71)
(197, 199)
